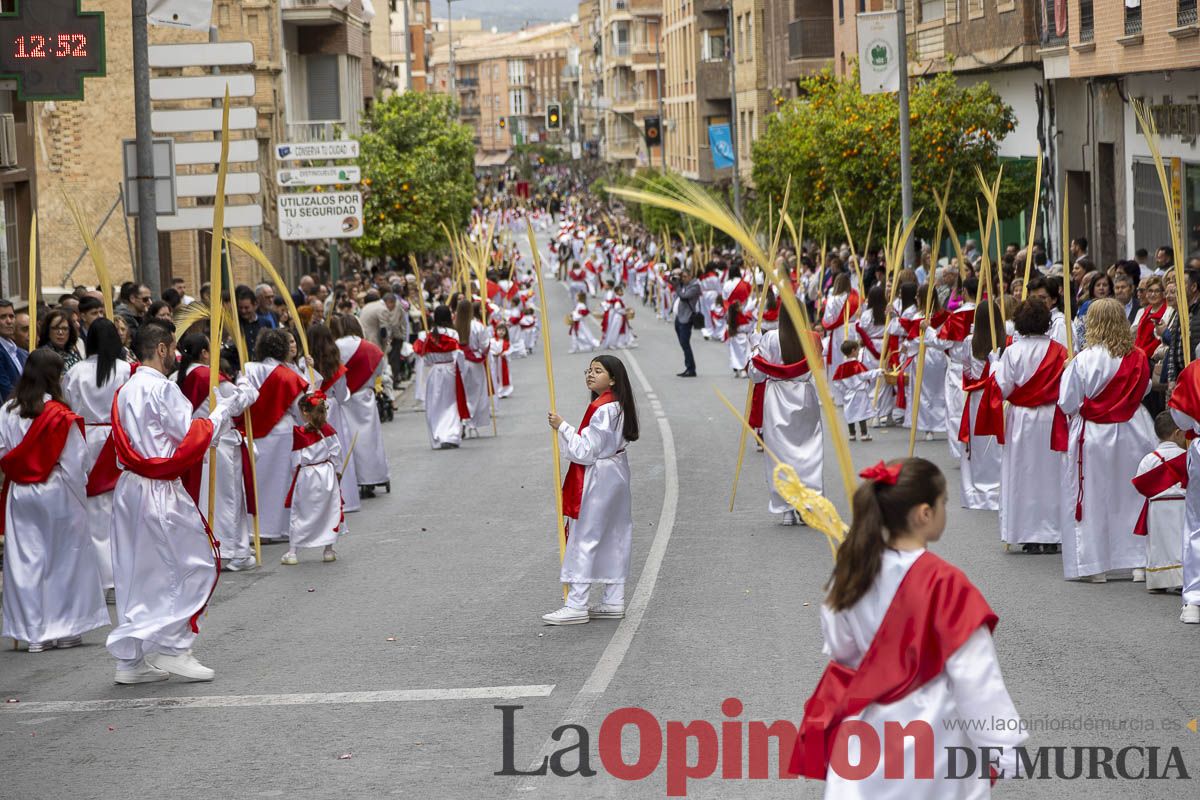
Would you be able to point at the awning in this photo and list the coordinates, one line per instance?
(491, 159)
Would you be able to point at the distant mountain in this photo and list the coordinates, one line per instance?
(509, 15)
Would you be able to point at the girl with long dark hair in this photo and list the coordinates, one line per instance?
(597, 501)
(791, 411)
(445, 396)
(56, 332)
(889, 597)
(327, 359)
(52, 591)
(89, 387)
(980, 426)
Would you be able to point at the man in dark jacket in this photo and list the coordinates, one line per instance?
(687, 289)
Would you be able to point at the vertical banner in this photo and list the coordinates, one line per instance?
(878, 52)
(721, 142)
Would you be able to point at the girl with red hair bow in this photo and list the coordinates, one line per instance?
(315, 496)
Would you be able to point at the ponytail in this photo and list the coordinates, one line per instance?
(880, 509)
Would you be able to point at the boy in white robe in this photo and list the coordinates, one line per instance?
(1158, 479)
(855, 383)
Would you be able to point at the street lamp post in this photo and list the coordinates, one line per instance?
(450, 44)
(662, 131)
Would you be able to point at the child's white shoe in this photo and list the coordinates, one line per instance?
(567, 616)
(329, 556)
(289, 560)
(1190, 614)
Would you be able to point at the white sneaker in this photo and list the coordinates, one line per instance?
(790, 518)
(145, 673)
(929, 436)
(606, 611)
(41, 647)
(239, 564)
(1139, 576)
(289, 560)
(567, 616)
(329, 556)
(185, 666)
(1190, 614)
(68, 642)
(1101, 578)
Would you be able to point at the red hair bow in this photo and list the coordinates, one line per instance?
(882, 473)
(316, 398)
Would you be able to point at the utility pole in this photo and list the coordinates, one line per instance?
(733, 128)
(662, 119)
(408, 73)
(148, 271)
(906, 193)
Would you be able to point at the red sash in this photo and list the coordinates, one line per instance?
(780, 372)
(867, 342)
(572, 488)
(359, 368)
(1042, 390)
(989, 419)
(958, 325)
(504, 378)
(757, 397)
(1146, 341)
(1116, 403)
(849, 310)
(848, 369)
(275, 396)
(195, 386)
(1156, 481)
(34, 459)
(740, 294)
(934, 612)
(328, 382)
(1186, 396)
(440, 343)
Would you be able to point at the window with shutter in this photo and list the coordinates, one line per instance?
(324, 92)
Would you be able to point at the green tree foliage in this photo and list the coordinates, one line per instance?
(834, 137)
(418, 167)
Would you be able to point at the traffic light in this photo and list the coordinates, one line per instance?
(653, 131)
(553, 117)
(503, 123)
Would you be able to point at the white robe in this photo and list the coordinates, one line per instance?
(231, 525)
(969, 687)
(791, 424)
(52, 584)
(1031, 500)
(163, 559)
(600, 541)
(441, 399)
(316, 517)
(338, 397)
(856, 395)
(94, 404)
(1191, 512)
(836, 326)
(1103, 541)
(273, 453)
(361, 414)
(498, 360)
(475, 378)
(980, 458)
(739, 345)
(582, 338)
(1164, 544)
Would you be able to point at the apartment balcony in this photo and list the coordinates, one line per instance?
(467, 83)
(647, 105)
(810, 37)
(1048, 31)
(623, 102)
(625, 149)
(322, 130)
(1186, 14)
(469, 112)
(315, 12)
(619, 9)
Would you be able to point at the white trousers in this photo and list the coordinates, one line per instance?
(577, 597)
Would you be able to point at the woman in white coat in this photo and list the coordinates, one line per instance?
(52, 591)
(445, 396)
(1102, 389)
(597, 500)
(791, 412)
(89, 387)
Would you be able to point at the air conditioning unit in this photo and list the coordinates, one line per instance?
(8, 140)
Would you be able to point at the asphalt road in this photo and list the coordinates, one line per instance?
(378, 675)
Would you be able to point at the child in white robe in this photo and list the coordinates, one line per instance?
(887, 596)
(1158, 481)
(315, 496)
(737, 337)
(52, 589)
(855, 383)
(499, 352)
(597, 501)
(582, 338)
(445, 397)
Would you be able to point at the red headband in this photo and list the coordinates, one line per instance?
(315, 399)
(882, 473)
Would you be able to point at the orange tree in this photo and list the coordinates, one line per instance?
(834, 137)
(418, 166)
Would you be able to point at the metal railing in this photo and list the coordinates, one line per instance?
(619, 49)
(334, 4)
(322, 130)
(1087, 25)
(1133, 21)
(810, 37)
(1187, 13)
(1048, 24)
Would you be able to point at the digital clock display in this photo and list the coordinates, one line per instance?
(49, 47)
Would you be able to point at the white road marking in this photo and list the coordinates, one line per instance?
(610, 660)
(302, 699)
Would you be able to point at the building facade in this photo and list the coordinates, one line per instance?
(698, 84)
(396, 47)
(632, 55)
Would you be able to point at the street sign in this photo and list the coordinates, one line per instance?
(206, 185)
(240, 151)
(200, 218)
(316, 151)
(211, 54)
(202, 119)
(202, 87)
(320, 215)
(164, 176)
(49, 47)
(318, 176)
